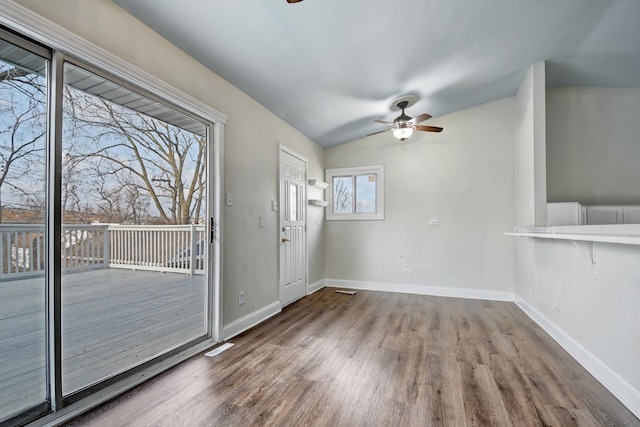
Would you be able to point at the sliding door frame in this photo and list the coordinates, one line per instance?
(46, 406)
(54, 230)
(59, 399)
(64, 45)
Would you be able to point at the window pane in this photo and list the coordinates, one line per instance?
(357, 193)
(366, 193)
(342, 195)
(133, 233)
(293, 202)
(23, 350)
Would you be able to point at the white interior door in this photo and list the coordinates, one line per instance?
(293, 242)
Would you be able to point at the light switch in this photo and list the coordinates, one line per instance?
(274, 206)
(263, 222)
(229, 200)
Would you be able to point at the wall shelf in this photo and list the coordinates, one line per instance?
(321, 203)
(318, 183)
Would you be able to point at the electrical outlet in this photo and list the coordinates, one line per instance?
(407, 270)
(240, 297)
(556, 304)
(434, 221)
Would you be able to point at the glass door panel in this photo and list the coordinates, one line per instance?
(134, 246)
(23, 326)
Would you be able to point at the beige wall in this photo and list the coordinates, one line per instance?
(593, 147)
(463, 177)
(250, 153)
(529, 149)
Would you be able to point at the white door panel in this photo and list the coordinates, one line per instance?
(293, 260)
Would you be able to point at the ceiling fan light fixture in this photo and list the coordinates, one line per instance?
(403, 126)
(403, 133)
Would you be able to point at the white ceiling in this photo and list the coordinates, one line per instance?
(330, 67)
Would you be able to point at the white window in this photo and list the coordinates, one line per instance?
(355, 193)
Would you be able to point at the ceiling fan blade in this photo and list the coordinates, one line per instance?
(428, 128)
(383, 122)
(381, 131)
(421, 118)
(293, 1)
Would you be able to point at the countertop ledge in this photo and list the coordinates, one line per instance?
(625, 234)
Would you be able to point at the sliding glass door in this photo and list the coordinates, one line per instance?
(106, 230)
(23, 258)
(133, 236)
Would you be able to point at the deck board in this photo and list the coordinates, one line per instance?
(112, 319)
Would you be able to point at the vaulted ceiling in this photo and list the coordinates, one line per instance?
(330, 67)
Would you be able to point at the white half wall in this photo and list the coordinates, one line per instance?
(463, 177)
(587, 300)
(593, 149)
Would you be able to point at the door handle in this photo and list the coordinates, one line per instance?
(212, 232)
(285, 240)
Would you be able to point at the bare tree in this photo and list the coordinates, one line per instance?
(155, 163)
(22, 136)
(124, 203)
(118, 164)
(342, 195)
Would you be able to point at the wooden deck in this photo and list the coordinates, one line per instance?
(112, 320)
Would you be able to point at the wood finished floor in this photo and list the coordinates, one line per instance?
(376, 359)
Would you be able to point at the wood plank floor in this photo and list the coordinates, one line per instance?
(112, 319)
(376, 359)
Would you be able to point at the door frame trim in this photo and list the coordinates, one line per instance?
(216, 256)
(284, 149)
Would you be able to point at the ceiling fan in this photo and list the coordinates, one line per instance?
(293, 1)
(403, 125)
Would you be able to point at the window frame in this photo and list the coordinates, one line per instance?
(352, 172)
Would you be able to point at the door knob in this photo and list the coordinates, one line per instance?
(285, 240)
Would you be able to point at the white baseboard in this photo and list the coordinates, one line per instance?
(250, 320)
(422, 290)
(314, 287)
(614, 382)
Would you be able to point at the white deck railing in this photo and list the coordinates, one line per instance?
(87, 247)
(157, 247)
(23, 250)
(84, 247)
